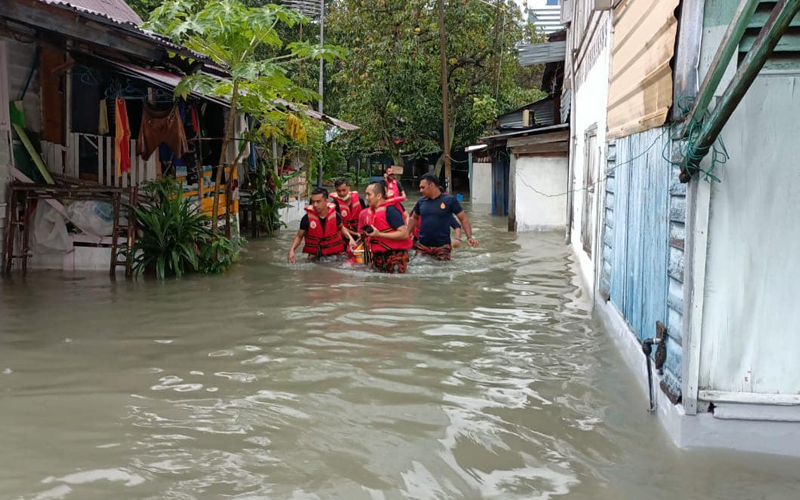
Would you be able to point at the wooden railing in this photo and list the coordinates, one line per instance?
(65, 160)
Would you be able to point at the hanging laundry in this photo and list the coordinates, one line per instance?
(195, 121)
(102, 128)
(122, 140)
(161, 127)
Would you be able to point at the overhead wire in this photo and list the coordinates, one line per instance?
(689, 158)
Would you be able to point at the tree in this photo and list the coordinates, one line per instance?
(390, 83)
(246, 43)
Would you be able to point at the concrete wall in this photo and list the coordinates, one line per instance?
(589, 110)
(533, 210)
(481, 183)
(751, 341)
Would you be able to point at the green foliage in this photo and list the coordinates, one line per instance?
(270, 196)
(238, 38)
(176, 237)
(390, 83)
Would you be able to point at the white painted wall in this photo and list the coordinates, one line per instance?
(589, 108)
(293, 213)
(534, 211)
(481, 183)
(750, 334)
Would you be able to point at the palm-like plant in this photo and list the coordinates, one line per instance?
(236, 37)
(175, 236)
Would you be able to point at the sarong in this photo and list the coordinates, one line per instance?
(438, 253)
(391, 261)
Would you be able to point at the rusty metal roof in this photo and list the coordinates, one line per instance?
(115, 10)
(170, 81)
(118, 13)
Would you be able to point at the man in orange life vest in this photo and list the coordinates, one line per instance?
(386, 232)
(321, 228)
(393, 188)
(349, 204)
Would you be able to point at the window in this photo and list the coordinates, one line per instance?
(553, 2)
(592, 158)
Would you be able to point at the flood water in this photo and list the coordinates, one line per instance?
(482, 378)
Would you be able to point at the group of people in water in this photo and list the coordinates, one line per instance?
(380, 226)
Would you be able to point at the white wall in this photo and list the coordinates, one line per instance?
(481, 183)
(750, 334)
(534, 211)
(294, 212)
(589, 109)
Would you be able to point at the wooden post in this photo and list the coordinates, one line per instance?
(448, 174)
(765, 43)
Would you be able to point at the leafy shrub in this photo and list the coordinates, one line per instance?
(175, 237)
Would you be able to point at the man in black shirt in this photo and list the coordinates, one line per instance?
(436, 210)
(320, 239)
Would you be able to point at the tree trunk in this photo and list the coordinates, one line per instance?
(397, 158)
(225, 141)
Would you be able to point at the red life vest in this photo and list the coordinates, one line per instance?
(350, 208)
(392, 190)
(376, 217)
(323, 242)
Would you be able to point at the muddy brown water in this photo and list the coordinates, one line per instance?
(482, 378)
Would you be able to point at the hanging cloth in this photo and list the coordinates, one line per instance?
(195, 121)
(102, 128)
(122, 140)
(161, 127)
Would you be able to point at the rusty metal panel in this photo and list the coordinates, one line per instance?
(116, 10)
(640, 86)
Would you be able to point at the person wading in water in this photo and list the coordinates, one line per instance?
(393, 188)
(385, 232)
(433, 213)
(349, 204)
(321, 228)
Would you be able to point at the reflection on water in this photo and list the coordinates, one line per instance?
(484, 377)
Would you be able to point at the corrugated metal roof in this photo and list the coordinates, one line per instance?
(542, 111)
(548, 18)
(540, 53)
(124, 18)
(566, 105)
(115, 10)
(519, 133)
(169, 80)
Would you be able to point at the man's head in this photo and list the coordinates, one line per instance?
(319, 201)
(429, 186)
(342, 188)
(376, 194)
(389, 172)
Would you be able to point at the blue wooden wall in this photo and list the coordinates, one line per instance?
(643, 238)
(501, 167)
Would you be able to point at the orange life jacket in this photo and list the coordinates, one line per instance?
(376, 217)
(323, 242)
(392, 190)
(350, 208)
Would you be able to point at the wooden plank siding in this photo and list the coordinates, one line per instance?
(644, 233)
(640, 86)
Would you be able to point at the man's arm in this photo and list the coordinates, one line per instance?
(396, 222)
(465, 223)
(298, 238)
(347, 235)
